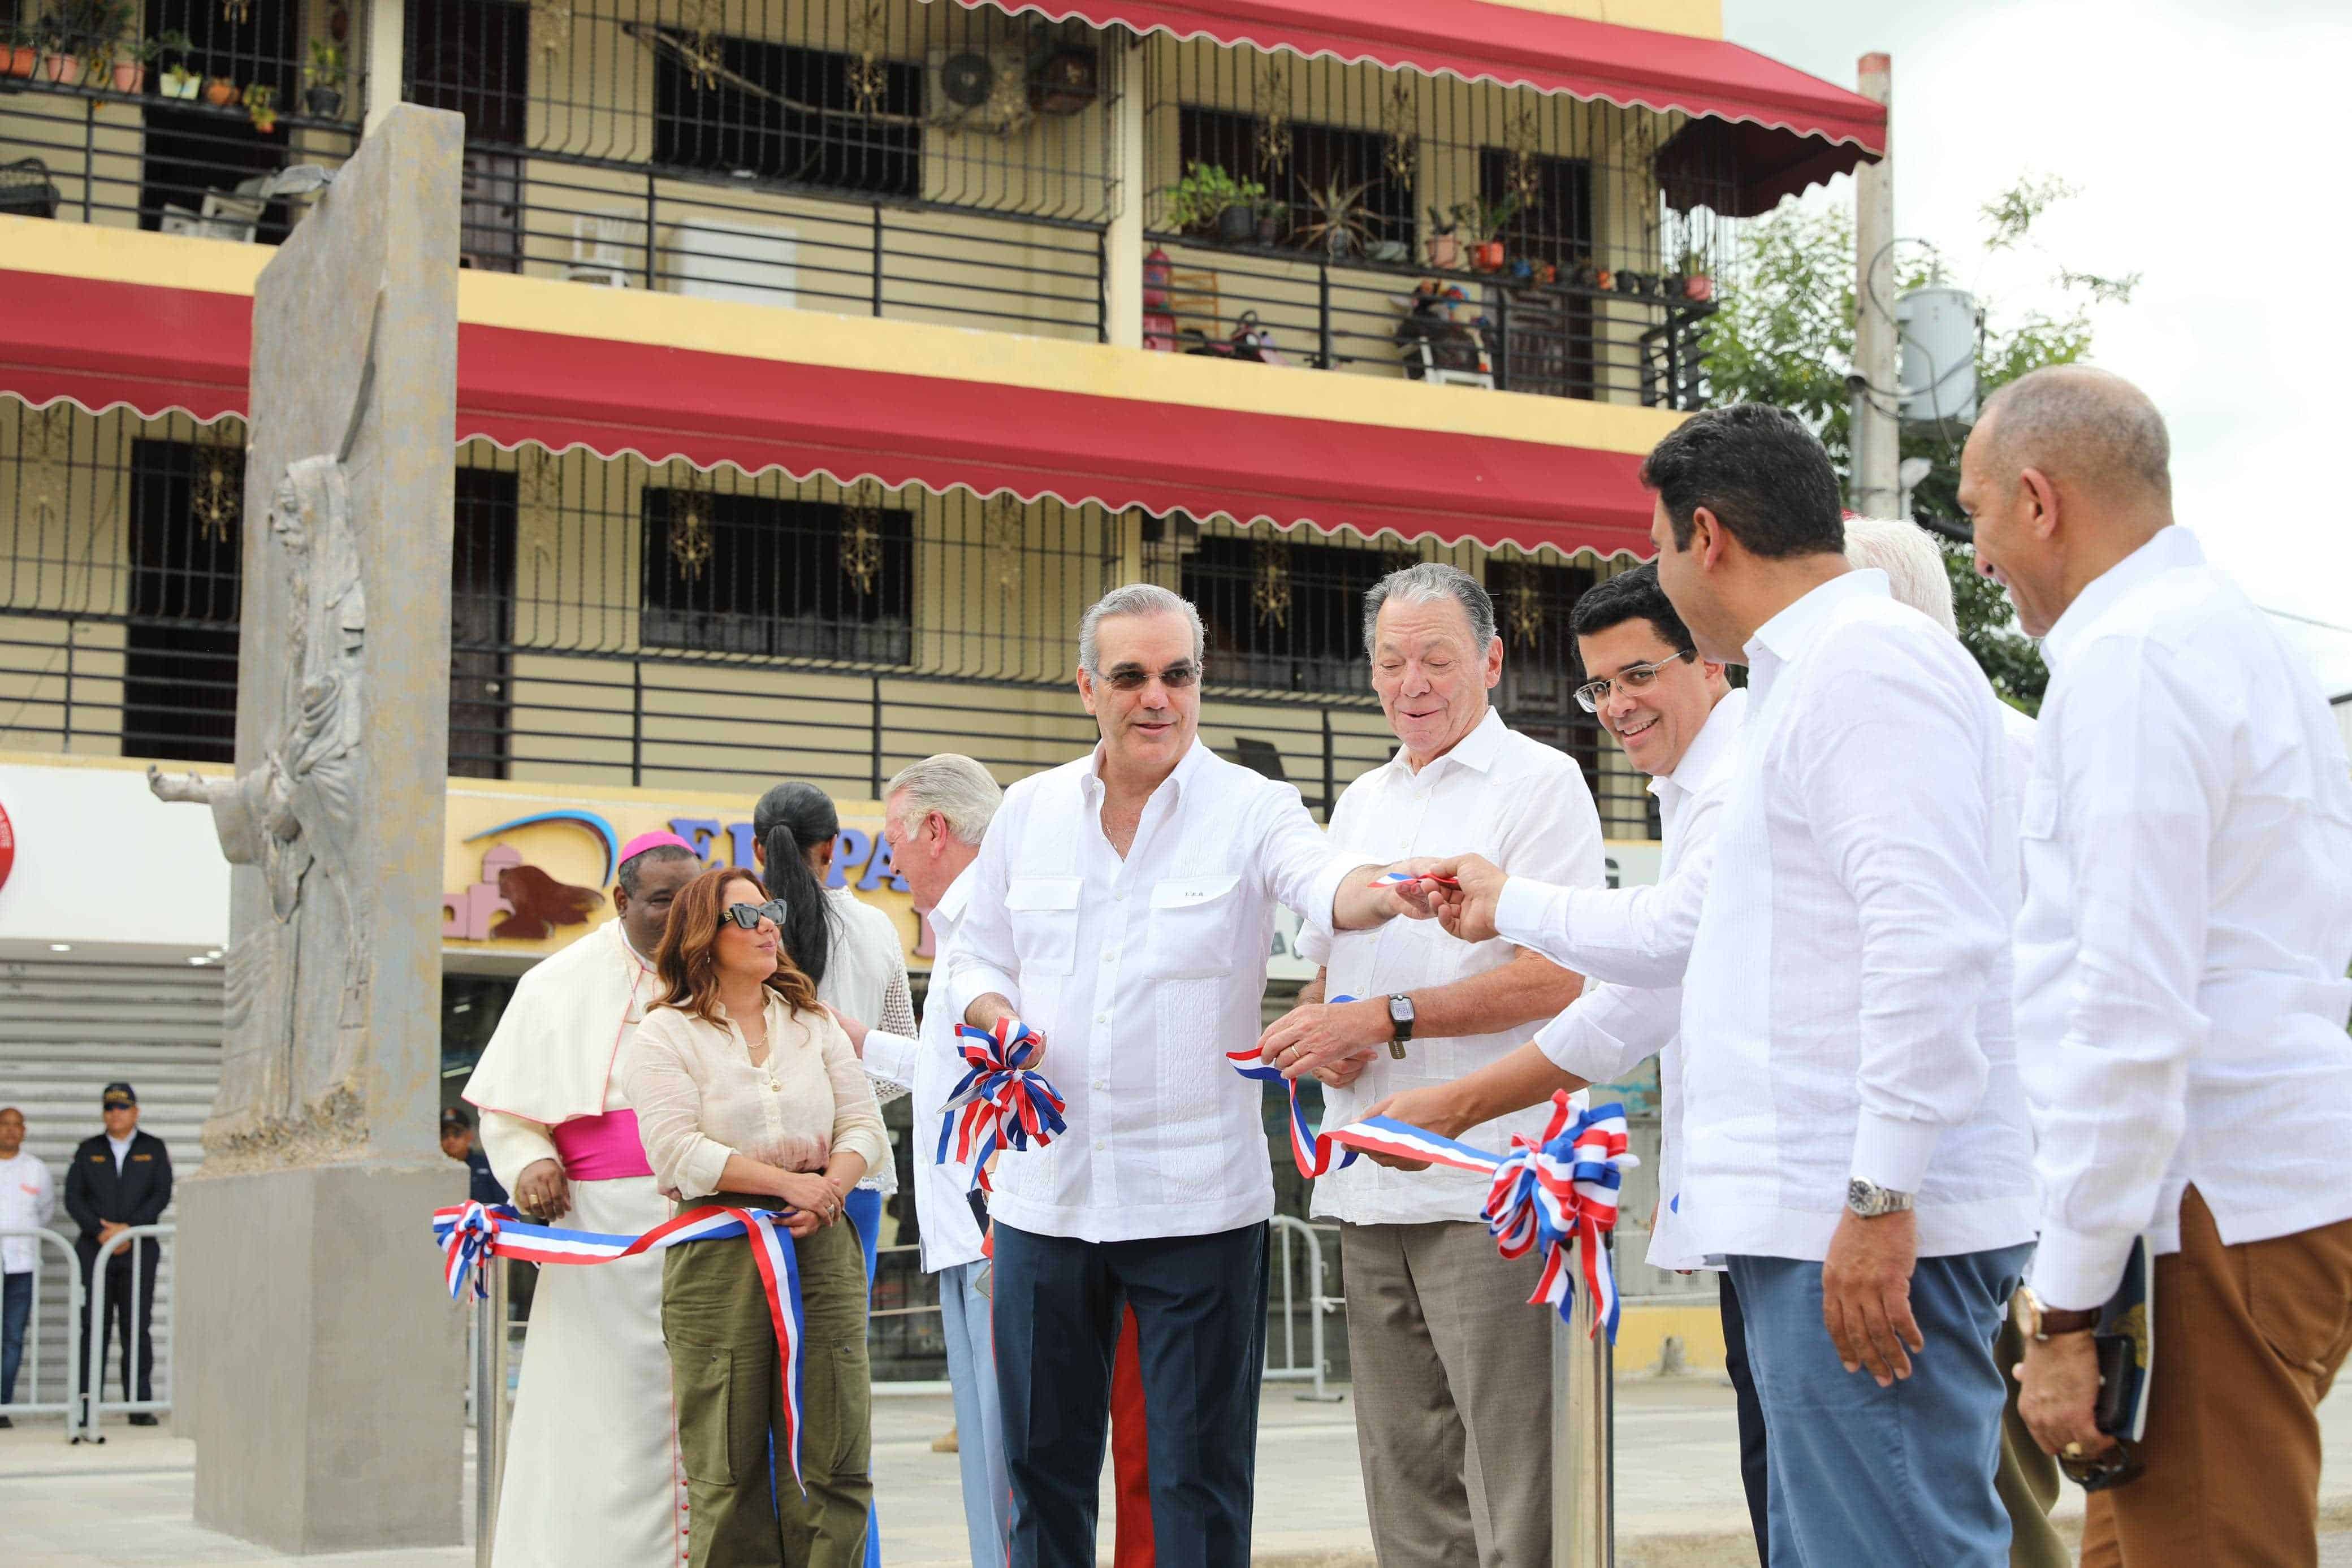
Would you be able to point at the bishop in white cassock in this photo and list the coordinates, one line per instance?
(592, 1471)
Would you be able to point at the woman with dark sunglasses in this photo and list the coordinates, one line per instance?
(748, 1093)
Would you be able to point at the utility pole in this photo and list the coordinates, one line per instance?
(1877, 445)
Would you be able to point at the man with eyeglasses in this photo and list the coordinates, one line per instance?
(1679, 720)
(1455, 1436)
(1122, 906)
(591, 1465)
(1855, 1147)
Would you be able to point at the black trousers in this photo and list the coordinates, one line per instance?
(1751, 1418)
(120, 1307)
(1199, 1314)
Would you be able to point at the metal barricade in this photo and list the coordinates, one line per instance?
(1288, 1231)
(33, 1404)
(84, 1427)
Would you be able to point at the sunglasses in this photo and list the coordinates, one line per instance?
(1131, 678)
(748, 915)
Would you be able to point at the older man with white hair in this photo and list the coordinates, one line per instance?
(1454, 1433)
(1122, 905)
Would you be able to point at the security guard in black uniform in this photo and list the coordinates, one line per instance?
(122, 1177)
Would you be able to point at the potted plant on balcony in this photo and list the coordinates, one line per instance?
(178, 79)
(1486, 221)
(1445, 250)
(1207, 200)
(1270, 216)
(19, 56)
(1339, 226)
(1690, 280)
(221, 92)
(326, 74)
(260, 102)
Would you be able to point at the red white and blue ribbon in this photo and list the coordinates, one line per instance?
(999, 1103)
(1399, 879)
(1314, 1152)
(1557, 1194)
(471, 1234)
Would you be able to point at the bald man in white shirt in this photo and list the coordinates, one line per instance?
(2182, 995)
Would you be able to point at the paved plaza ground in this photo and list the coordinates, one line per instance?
(126, 1505)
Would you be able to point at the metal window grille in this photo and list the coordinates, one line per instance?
(756, 574)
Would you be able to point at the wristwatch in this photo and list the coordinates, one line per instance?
(1870, 1200)
(1400, 1024)
(2041, 1323)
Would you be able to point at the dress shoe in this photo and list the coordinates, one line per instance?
(142, 1418)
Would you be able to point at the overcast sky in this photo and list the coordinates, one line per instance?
(2206, 138)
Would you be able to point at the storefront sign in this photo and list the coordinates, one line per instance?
(7, 846)
(528, 874)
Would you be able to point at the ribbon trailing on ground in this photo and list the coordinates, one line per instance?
(1314, 1152)
(1559, 1193)
(999, 1103)
(471, 1234)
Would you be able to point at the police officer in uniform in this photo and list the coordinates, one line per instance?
(120, 1178)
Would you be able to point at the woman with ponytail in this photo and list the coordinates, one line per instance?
(852, 951)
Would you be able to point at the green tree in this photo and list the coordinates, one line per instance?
(1785, 336)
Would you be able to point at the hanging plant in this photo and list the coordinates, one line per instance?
(237, 10)
(861, 538)
(1400, 137)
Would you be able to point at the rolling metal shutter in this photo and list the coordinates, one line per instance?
(67, 1028)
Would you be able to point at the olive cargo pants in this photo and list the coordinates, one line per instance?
(729, 1390)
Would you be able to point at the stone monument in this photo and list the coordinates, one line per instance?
(321, 1365)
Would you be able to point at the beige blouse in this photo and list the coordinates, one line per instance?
(699, 1099)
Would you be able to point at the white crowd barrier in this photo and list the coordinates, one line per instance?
(29, 1400)
(93, 1350)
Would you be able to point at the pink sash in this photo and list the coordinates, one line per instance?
(602, 1148)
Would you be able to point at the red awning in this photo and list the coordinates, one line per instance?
(1804, 129)
(158, 349)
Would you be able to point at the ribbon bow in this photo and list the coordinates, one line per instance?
(471, 1234)
(999, 1103)
(1312, 1150)
(1559, 1193)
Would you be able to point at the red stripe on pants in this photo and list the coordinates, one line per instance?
(1131, 1451)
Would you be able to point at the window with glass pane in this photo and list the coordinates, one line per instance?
(752, 574)
(772, 112)
(1283, 615)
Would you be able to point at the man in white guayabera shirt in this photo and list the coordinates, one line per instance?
(1679, 720)
(935, 814)
(1856, 1134)
(1456, 1436)
(2181, 989)
(1123, 905)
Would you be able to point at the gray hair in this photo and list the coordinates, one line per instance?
(1134, 599)
(2084, 424)
(1427, 582)
(1913, 565)
(955, 787)
(631, 871)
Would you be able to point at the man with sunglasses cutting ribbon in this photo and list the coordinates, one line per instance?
(1122, 906)
(591, 1470)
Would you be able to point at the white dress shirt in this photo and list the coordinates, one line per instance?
(1523, 805)
(1845, 1001)
(28, 1201)
(1143, 972)
(1613, 1026)
(929, 1067)
(865, 978)
(2181, 954)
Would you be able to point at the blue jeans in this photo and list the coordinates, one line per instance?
(863, 1210)
(15, 1311)
(1865, 1477)
(980, 1418)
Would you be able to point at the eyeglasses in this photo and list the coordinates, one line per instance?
(1631, 678)
(748, 915)
(1175, 677)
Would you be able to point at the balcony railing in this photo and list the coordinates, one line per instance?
(956, 165)
(622, 622)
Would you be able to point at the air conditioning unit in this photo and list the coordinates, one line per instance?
(977, 90)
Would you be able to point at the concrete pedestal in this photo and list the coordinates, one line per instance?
(321, 1364)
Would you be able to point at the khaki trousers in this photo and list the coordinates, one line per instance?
(2028, 1477)
(2248, 1339)
(1453, 1384)
(728, 1386)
